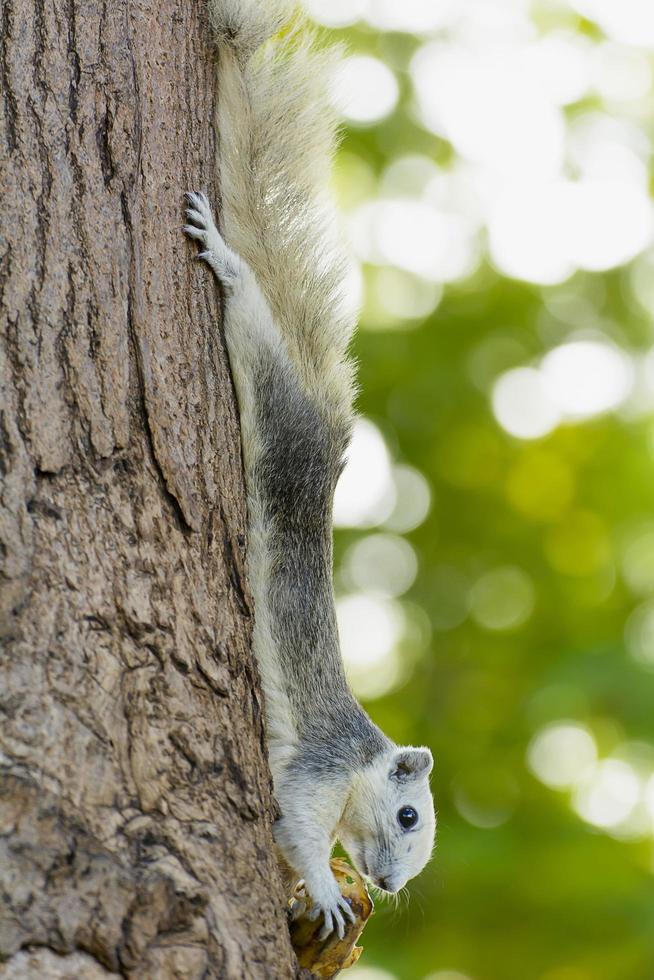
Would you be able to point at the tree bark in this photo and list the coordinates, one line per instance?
(135, 798)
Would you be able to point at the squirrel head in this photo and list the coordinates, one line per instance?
(388, 824)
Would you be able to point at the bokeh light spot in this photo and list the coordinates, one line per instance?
(586, 377)
(542, 233)
(560, 63)
(397, 295)
(412, 499)
(524, 229)
(414, 16)
(493, 112)
(522, 406)
(370, 973)
(370, 629)
(622, 73)
(335, 13)
(560, 753)
(607, 793)
(502, 599)
(418, 237)
(365, 493)
(639, 634)
(408, 176)
(629, 21)
(381, 564)
(604, 147)
(366, 89)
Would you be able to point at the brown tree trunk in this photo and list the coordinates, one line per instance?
(135, 800)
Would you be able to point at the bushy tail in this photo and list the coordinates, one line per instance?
(244, 25)
(276, 136)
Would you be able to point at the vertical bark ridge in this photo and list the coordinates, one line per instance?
(134, 794)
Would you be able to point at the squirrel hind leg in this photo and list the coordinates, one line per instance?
(225, 263)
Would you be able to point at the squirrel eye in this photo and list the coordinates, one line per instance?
(407, 817)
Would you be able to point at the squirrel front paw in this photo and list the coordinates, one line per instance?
(334, 908)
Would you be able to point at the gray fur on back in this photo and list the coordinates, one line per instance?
(302, 457)
(287, 330)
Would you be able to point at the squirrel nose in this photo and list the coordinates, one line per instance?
(384, 883)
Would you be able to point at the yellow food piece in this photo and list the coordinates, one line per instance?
(326, 958)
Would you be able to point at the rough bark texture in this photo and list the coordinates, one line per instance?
(135, 798)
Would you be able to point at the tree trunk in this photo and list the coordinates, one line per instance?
(135, 799)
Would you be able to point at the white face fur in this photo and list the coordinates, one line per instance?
(388, 824)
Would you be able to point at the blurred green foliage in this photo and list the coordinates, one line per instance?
(522, 887)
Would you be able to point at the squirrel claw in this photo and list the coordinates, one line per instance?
(333, 923)
(349, 911)
(202, 229)
(194, 216)
(193, 196)
(334, 916)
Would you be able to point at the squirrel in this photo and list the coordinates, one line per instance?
(287, 329)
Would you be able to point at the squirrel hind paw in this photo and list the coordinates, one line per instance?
(199, 214)
(202, 227)
(198, 199)
(194, 232)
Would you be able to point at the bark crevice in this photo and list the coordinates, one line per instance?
(135, 798)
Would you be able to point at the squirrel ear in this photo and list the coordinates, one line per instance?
(410, 764)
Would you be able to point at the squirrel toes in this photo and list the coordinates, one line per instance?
(336, 775)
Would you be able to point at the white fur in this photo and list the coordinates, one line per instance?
(385, 853)
(249, 327)
(361, 805)
(284, 274)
